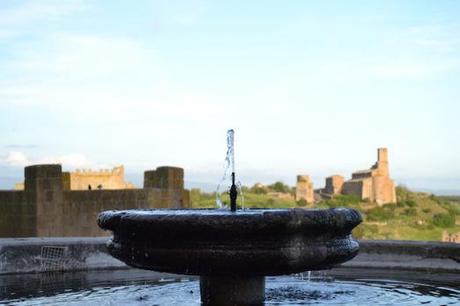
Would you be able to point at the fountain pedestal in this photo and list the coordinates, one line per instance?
(232, 290)
(232, 251)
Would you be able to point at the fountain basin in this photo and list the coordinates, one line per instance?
(232, 251)
(218, 242)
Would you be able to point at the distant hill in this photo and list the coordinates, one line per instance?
(416, 216)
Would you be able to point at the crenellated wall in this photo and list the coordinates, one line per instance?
(47, 208)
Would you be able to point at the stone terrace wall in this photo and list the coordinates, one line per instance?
(84, 253)
(18, 215)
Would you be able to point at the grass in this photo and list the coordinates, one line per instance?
(416, 216)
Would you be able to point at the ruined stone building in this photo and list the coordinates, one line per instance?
(48, 207)
(373, 184)
(304, 189)
(448, 237)
(334, 184)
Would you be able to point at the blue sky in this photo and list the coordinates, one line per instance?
(310, 87)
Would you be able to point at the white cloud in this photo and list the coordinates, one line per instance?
(67, 57)
(94, 76)
(441, 38)
(16, 159)
(74, 160)
(19, 19)
(68, 161)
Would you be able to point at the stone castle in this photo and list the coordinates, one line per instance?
(372, 184)
(83, 179)
(50, 206)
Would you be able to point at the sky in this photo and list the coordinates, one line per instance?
(310, 87)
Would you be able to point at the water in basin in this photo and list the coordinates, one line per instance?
(284, 290)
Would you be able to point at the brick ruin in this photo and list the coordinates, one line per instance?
(334, 184)
(48, 207)
(450, 237)
(373, 184)
(304, 189)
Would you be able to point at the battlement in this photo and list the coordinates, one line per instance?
(116, 171)
(83, 179)
(165, 178)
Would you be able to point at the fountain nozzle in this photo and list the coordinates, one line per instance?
(233, 194)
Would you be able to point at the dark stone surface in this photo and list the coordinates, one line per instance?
(232, 290)
(221, 243)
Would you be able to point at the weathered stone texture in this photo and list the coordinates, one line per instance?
(373, 184)
(48, 208)
(18, 214)
(334, 184)
(82, 179)
(448, 237)
(304, 189)
(107, 179)
(164, 178)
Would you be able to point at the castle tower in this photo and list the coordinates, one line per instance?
(304, 189)
(171, 181)
(375, 183)
(334, 184)
(382, 162)
(164, 178)
(44, 186)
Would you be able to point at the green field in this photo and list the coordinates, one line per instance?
(416, 216)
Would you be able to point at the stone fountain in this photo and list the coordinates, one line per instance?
(232, 250)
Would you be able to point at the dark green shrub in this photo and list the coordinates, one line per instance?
(302, 203)
(444, 220)
(280, 187)
(410, 211)
(407, 203)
